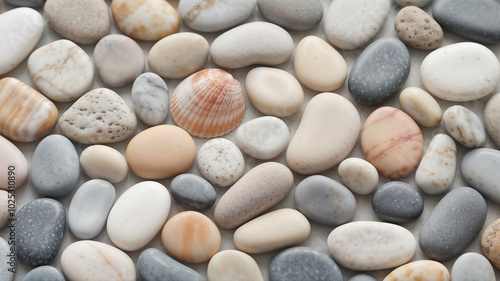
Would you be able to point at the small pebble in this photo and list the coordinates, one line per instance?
(479, 168)
(492, 118)
(44, 273)
(7, 262)
(359, 175)
(420, 270)
(26, 3)
(421, 106)
(11, 158)
(472, 266)
(104, 162)
(292, 14)
(397, 202)
(153, 264)
(227, 264)
(4, 208)
(464, 126)
(362, 277)
(193, 191)
(150, 98)
(490, 243)
(418, 3)
(418, 29)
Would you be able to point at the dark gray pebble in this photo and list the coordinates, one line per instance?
(154, 265)
(193, 191)
(292, 14)
(44, 273)
(26, 3)
(397, 202)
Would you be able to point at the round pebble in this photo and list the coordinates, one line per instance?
(150, 98)
(44, 273)
(12, 158)
(490, 243)
(193, 191)
(421, 106)
(418, 29)
(479, 168)
(104, 162)
(464, 126)
(359, 175)
(153, 264)
(292, 14)
(227, 264)
(420, 270)
(492, 118)
(472, 266)
(397, 202)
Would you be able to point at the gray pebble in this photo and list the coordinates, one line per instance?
(150, 98)
(397, 202)
(26, 3)
(292, 14)
(418, 3)
(193, 191)
(154, 265)
(44, 273)
(362, 277)
(480, 169)
(7, 261)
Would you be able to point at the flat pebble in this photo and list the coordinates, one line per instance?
(318, 65)
(150, 98)
(292, 14)
(453, 224)
(229, 264)
(153, 264)
(6, 262)
(138, 215)
(421, 106)
(326, 134)
(191, 237)
(479, 168)
(359, 175)
(472, 266)
(492, 118)
(418, 29)
(252, 43)
(362, 277)
(4, 208)
(436, 172)
(193, 191)
(464, 126)
(379, 72)
(83, 22)
(275, 230)
(418, 3)
(460, 72)
(220, 162)
(26, 3)
(420, 270)
(274, 91)
(11, 158)
(258, 190)
(55, 168)
(40, 229)
(44, 273)
(397, 202)
(104, 162)
(490, 243)
(325, 200)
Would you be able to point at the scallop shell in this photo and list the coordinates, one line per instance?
(209, 103)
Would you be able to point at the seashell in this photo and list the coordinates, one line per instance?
(209, 103)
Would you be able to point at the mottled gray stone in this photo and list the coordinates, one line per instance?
(193, 191)
(397, 202)
(26, 3)
(150, 98)
(480, 169)
(292, 14)
(362, 277)
(7, 261)
(44, 273)
(154, 265)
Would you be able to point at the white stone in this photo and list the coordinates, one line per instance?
(464, 126)
(421, 106)
(150, 99)
(232, 265)
(6, 262)
(104, 162)
(472, 266)
(359, 175)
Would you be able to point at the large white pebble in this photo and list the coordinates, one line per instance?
(472, 266)
(464, 126)
(421, 106)
(104, 162)
(359, 175)
(230, 264)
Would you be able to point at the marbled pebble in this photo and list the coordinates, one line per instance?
(359, 175)
(490, 243)
(150, 98)
(397, 202)
(292, 14)
(44, 273)
(421, 106)
(362, 277)
(193, 191)
(230, 264)
(418, 3)
(492, 118)
(11, 158)
(26, 3)
(464, 126)
(4, 208)
(420, 270)
(418, 29)
(6, 262)
(472, 266)
(479, 168)
(103, 162)
(153, 264)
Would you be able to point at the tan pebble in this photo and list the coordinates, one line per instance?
(490, 243)
(420, 270)
(418, 29)
(12, 159)
(421, 106)
(359, 175)
(492, 118)
(104, 162)
(230, 264)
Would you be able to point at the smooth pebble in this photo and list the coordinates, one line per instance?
(472, 266)
(153, 264)
(397, 202)
(418, 3)
(490, 243)
(421, 106)
(492, 118)
(26, 3)
(103, 162)
(479, 168)
(418, 29)
(193, 191)
(5, 215)
(230, 264)
(359, 175)
(464, 126)
(7, 262)
(362, 277)
(292, 14)
(44, 273)
(150, 98)
(12, 159)
(420, 270)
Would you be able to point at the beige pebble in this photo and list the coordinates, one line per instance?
(492, 118)
(12, 159)
(104, 162)
(359, 175)
(490, 243)
(232, 265)
(421, 106)
(420, 270)
(418, 29)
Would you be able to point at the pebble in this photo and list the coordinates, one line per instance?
(436, 172)
(40, 226)
(145, 20)
(247, 198)
(104, 162)
(55, 168)
(153, 264)
(418, 29)
(490, 242)
(89, 208)
(463, 71)
(379, 72)
(418, 3)
(292, 14)
(209, 16)
(193, 191)
(397, 202)
(421, 106)
(351, 24)
(191, 237)
(275, 230)
(83, 22)
(44, 273)
(359, 175)
(46, 64)
(325, 200)
(178, 55)
(138, 215)
(303, 263)
(228, 264)
(326, 134)
(17, 47)
(91, 260)
(392, 142)
(492, 118)
(150, 98)
(6, 262)
(11, 158)
(4, 208)
(472, 266)
(362, 277)
(318, 65)
(25, 114)
(453, 224)
(100, 116)
(464, 126)
(252, 43)
(274, 91)
(220, 162)
(370, 245)
(26, 3)
(420, 270)
(479, 168)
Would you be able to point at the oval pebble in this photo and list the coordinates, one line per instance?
(464, 126)
(490, 243)
(397, 202)
(418, 29)
(150, 98)
(369, 245)
(7, 261)
(492, 118)
(292, 14)
(420, 270)
(153, 264)
(472, 266)
(104, 162)
(44, 273)
(11, 158)
(193, 191)
(26, 3)
(479, 168)
(272, 231)
(226, 265)
(421, 106)
(4, 208)
(453, 223)
(359, 175)
(362, 277)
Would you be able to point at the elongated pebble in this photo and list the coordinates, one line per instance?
(472, 266)
(228, 264)
(464, 126)
(150, 98)
(193, 191)
(397, 202)
(421, 106)
(490, 243)
(492, 118)
(103, 162)
(12, 159)
(7, 261)
(153, 264)
(44, 273)
(359, 175)
(420, 270)
(479, 168)
(418, 29)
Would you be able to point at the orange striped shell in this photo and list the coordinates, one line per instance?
(209, 103)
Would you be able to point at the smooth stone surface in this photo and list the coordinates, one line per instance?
(436, 172)
(40, 229)
(210, 16)
(325, 200)
(44, 273)
(103, 162)
(25, 114)
(11, 158)
(492, 118)
(472, 266)
(4, 208)
(153, 264)
(303, 263)
(5, 273)
(252, 43)
(178, 55)
(230, 264)
(318, 65)
(83, 22)
(89, 208)
(272, 231)
(379, 72)
(191, 237)
(453, 223)
(369, 245)
(138, 215)
(193, 191)
(258, 190)
(26, 3)
(362, 277)
(292, 14)
(263, 137)
(421, 106)
(490, 243)
(100, 116)
(326, 134)
(91, 260)
(150, 98)
(460, 72)
(220, 162)
(351, 24)
(464, 126)
(359, 175)
(55, 168)
(418, 3)
(479, 169)
(21, 29)
(420, 270)
(392, 142)
(418, 29)
(274, 91)
(61, 70)
(397, 202)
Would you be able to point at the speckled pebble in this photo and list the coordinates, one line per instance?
(44, 273)
(229, 264)
(418, 29)
(292, 14)
(421, 106)
(193, 191)
(397, 202)
(464, 126)
(150, 98)
(420, 270)
(490, 243)
(359, 175)
(472, 266)
(362, 277)
(492, 118)
(154, 265)
(479, 168)
(7, 262)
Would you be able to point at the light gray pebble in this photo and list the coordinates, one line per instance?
(150, 98)
(44, 273)
(154, 265)
(362, 277)
(7, 261)
(193, 191)
(292, 14)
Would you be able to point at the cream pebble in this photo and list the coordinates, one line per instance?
(492, 118)
(103, 162)
(420, 270)
(359, 175)
(13, 160)
(421, 106)
(472, 266)
(464, 126)
(230, 264)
